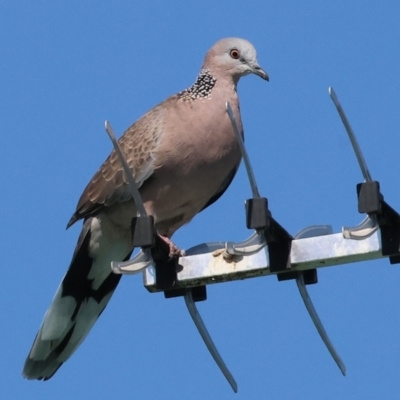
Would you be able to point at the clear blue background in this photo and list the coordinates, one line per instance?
(65, 67)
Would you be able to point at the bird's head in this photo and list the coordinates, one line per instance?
(233, 57)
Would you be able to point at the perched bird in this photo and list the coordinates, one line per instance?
(183, 155)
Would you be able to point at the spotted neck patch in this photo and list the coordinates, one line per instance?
(201, 88)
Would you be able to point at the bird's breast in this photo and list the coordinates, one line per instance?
(197, 152)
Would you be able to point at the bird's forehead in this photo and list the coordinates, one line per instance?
(248, 52)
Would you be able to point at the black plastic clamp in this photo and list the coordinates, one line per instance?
(279, 241)
(371, 202)
(143, 231)
(144, 235)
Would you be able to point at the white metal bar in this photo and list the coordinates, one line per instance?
(216, 265)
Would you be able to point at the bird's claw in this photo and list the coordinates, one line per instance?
(174, 250)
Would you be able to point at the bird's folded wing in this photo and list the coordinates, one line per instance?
(109, 185)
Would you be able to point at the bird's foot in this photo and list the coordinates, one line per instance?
(174, 251)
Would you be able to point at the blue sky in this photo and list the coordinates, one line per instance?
(67, 66)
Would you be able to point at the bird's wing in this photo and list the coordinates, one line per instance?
(109, 185)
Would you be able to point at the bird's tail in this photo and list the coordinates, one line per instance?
(80, 299)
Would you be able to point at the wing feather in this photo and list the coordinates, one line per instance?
(109, 185)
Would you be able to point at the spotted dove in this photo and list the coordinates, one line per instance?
(183, 155)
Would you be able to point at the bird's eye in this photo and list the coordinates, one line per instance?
(235, 54)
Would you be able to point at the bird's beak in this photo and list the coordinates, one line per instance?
(259, 71)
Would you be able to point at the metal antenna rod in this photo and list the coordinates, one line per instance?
(352, 136)
(198, 321)
(318, 324)
(139, 262)
(246, 159)
(313, 232)
(367, 227)
(128, 173)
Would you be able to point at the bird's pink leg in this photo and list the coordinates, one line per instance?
(174, 250)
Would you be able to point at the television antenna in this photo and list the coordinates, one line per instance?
(270, 250)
